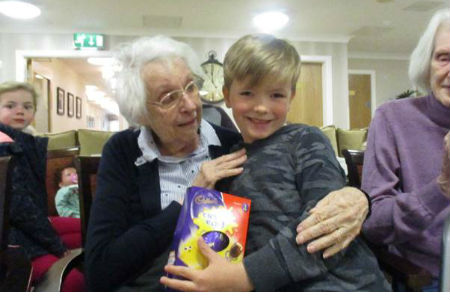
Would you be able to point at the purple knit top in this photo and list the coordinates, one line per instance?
(401, 164)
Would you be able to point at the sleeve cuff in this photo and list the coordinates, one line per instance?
(166, 222)
(256, 266)
(432, 198)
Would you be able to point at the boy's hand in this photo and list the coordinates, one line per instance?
(221, 167)
(334, 222)
(220, 275)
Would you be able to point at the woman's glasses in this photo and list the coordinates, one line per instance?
(172, 98)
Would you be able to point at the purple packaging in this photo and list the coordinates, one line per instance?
(220, 219)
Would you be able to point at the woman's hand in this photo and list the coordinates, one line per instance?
(334, 222)
(444, 177)
(219, 276)
(221, 167)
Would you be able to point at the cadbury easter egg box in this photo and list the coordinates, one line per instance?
(220, 219)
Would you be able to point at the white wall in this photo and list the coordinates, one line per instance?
(9, 43)
(391, 76)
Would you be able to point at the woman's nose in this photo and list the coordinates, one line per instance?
(189, 102)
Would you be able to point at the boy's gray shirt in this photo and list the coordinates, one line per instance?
(285, 176)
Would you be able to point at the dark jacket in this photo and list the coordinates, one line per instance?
(28, 211)
(127, 229)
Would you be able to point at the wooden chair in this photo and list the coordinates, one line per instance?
(57, 159)
(87, 167)
(445, 268)
(402, 273)
(15, 267)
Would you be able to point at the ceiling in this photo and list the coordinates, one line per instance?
(371, 27)
(375, 26)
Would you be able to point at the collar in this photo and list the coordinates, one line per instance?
(437, 112)
(150, 150)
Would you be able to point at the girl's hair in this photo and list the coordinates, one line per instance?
(10, 86)
(261, 55)
(128, 86)
(420, 60)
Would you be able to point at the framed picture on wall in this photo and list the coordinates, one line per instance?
(70, 105)
(60, 101)
(78, 107)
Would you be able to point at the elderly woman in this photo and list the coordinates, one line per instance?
(144, 172)
(403, 168)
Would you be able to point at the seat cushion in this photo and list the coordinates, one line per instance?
(330, 132)
(92, 141)
(61, 140)
(351, 139)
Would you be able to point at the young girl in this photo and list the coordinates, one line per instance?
(30, 226)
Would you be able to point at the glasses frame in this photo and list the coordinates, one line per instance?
(182, 92)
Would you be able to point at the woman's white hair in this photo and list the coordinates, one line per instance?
(420, 60)
(128, 86)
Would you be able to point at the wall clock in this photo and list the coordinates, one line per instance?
(211, 90)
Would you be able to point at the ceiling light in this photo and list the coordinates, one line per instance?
(19, 10)
(101, 61)
(270, 21)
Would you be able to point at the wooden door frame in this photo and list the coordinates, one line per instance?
(327, 85)
(373, 94)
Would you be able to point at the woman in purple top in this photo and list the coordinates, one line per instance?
(404, 171)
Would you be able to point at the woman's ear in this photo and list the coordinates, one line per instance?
(226, 96)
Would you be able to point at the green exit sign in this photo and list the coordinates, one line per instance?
(88, 40)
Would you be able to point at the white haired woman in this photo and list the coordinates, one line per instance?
(144, 172)
(404, 172)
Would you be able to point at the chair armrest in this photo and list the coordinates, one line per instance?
(402, 270)
(52, 279)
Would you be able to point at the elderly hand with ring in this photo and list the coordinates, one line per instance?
(335, 221)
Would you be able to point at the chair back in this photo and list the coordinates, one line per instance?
(354, 160)
(87, 167)
(445, 268)
(56, 160)
(217, 116)
(5, 194)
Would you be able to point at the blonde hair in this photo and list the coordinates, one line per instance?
(130, 91)
(420, 60)
(10, 86)
(259, 56)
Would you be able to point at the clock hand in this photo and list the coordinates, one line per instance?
(212, 75)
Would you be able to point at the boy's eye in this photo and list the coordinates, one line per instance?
(278, 95)
(245, 93)
(29, 107)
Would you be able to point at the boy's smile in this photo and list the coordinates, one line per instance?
(259, 110)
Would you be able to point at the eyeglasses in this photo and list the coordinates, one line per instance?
(172, 98)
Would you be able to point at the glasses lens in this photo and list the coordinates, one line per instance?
(171, 98)
(191, 88)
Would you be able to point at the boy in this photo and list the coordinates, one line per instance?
(67, 201)
(288, 170)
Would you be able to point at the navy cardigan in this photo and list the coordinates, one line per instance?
(127, 228)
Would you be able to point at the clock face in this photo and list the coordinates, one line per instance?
(211, 90)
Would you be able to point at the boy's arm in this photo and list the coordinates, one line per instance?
(282, 261)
